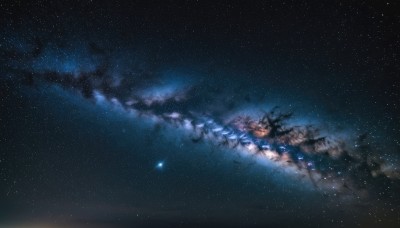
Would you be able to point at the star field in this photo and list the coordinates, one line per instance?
(197, 113)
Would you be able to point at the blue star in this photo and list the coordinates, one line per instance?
(160, 165)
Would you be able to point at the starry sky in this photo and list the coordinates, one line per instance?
(199, 114)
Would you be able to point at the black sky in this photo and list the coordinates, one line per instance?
(67, 161)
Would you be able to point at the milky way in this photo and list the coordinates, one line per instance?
(199, 114)
(325, 160)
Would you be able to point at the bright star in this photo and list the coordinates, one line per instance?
(160, 165)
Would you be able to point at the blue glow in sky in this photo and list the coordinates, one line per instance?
(160, 165)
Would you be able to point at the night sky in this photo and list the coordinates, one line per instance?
(199, 114)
